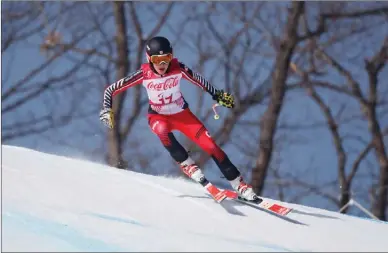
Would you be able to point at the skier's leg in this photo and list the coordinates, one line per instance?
(161, 126)
(190, 125)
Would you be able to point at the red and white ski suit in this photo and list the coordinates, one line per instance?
(168, 111)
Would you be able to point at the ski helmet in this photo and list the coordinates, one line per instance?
(158, 46)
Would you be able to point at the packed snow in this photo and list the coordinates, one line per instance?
(53, 203)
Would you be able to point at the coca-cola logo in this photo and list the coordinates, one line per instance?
(167, 84)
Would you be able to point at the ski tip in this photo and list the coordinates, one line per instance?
(220, 197)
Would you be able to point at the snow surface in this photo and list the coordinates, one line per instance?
(53, 203)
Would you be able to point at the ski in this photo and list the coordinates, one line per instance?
(216, 193)
(221, 194)
(259, 203)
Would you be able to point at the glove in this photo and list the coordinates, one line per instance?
(223, 98)
(107, 117)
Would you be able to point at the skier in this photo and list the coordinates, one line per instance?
(168, 111)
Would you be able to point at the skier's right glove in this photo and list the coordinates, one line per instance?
(223, 98)
(107, 117)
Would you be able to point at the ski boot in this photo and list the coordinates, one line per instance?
(193, 171)
(244, 190)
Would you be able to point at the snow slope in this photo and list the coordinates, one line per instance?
(52, 203)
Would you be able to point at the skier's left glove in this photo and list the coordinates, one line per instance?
(107, 117)
(223, 98)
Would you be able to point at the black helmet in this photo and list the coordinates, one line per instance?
(158, 45)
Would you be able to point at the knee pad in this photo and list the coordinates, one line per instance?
(161, 129)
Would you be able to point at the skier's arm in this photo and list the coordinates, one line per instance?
(197, 79)
(222, 98)
(121, 85)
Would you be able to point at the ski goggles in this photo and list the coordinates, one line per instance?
(159, 59)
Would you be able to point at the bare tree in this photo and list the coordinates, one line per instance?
(234, 45)
(24, 93)
(269, 120)
(92, 57)
(312, 79)
(119, 134)
(368, 107)
(345, 181)
(232, 53)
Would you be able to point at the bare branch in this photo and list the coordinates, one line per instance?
(319, 30)
(280, 74)
(315, 188)
(40, 68)
(356, 14)
(135, 20)
(358, 161)
(162, 20)
(353, 84)
(41, 87)
(373, 67)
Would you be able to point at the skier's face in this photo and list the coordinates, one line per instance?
(161, 68)
(160, 62)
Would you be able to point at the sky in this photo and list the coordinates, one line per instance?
(314, 157)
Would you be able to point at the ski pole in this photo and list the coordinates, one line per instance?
(216, 115)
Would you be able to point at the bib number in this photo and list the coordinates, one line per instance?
(165, 100)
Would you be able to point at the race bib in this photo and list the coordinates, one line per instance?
(164, 90)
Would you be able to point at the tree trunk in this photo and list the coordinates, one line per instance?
(345, 196)
(374, 67)
(122, 67)
(270, 117)
(380, 204)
